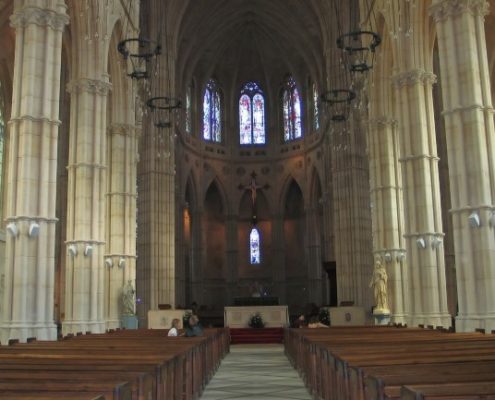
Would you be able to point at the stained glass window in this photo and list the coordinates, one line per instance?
(316, 108)
(254, 247)
(212, 113)
(252, 115)
(291, 108)
(188, 117)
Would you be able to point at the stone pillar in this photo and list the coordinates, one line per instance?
(156, 231)
(87, 174)
(422, 205)
(278, 246)
(315, 274)
(197, 257)
(352, 219)
(469, 126)
(28, 295)
(232, 270)
(120, 259)
(387, 212)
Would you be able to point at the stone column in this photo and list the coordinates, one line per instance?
(120, 259)
(278, 246)
(352, 219)
(232, 271)
(27, 304)
(422, 205)
(469, 125)
(315, 274)
(387, 212)
(87, 174)
(197, 257)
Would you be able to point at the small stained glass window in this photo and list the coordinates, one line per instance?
(316, 108)
(254, 246)
(188, 110)
(291, 110)
(212, 113)
(251, 115)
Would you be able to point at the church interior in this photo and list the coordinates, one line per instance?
(205, 152)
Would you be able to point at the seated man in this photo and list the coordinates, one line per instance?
(194, 328)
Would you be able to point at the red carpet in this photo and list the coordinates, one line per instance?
(252, 335)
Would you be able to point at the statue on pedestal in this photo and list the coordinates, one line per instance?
(128, 299)
(379, 284)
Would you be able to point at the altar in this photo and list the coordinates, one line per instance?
(162, 319)
(273, 316)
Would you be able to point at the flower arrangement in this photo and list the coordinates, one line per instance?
(324, 316)
(256, 321)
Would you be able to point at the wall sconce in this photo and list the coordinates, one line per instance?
(387, 257)
(12, 228)
(72, 249)
(34, 229)
(109, 262)
(401, 256)
(436, 242)
(421, 243)
(122, 262)
(474, 220)
(88, 250)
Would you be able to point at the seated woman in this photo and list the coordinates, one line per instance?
(174, 330)
(315, 323)
(195, 328)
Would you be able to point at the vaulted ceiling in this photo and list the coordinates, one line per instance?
(241, 40)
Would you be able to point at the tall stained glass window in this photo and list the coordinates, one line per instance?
(188, 122)
(291, 104)
(212, 126)
(316, 108)
(252, 115)
(254, 247)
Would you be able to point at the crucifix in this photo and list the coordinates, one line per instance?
(253, 187)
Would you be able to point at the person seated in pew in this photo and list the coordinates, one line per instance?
(315, 323)
(194, 328)
(300, 322)
(174, 330)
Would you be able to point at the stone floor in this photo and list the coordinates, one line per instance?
(260, 372)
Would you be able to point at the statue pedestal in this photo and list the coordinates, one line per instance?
(129, 322)
(381, 319)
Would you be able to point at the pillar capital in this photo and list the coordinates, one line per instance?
(413, 77)
(95, 86)
(121, 129)
(56, 19)
(444, 9)
(382, 122)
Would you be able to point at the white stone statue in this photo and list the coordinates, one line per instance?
(128, 299)
(379, 284)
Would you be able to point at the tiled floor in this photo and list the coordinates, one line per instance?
(260, 372)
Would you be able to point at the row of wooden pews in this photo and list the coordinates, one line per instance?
(120, 365)
(375, 362)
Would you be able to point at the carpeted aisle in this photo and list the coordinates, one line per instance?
(260, 372)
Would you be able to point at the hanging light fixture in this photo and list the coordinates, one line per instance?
(360, 41)
(339, 102)
(137, 50)
(340, 95)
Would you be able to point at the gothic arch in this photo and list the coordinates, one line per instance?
(221, 190)
(289, 179)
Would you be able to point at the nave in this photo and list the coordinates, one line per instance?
(336, 363)
(260, 371)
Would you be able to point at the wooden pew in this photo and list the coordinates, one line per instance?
(336, 362)
(155, 366)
